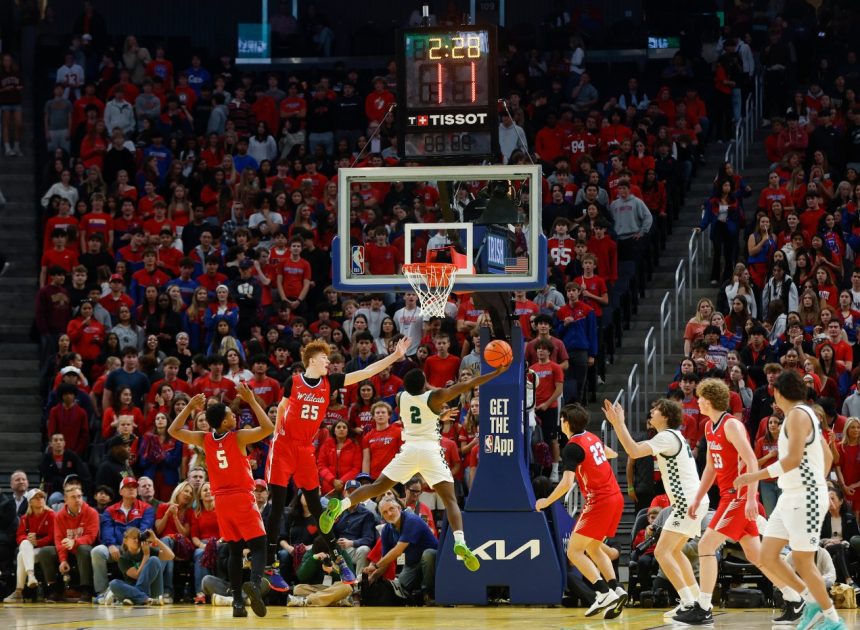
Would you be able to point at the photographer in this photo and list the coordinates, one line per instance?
(319, 580)
(143, 569)
(644, 545)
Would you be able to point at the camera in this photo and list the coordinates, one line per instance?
(144, 536)
(326, 562)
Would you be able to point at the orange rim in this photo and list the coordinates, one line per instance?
(434, 274)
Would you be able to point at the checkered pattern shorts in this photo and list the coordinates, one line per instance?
(798, 517)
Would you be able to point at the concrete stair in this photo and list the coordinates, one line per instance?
(20, 405)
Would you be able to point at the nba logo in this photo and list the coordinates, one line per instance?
(357, 260)
(488, 443)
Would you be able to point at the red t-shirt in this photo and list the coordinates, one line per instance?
(382, 260)
(440, 371)
(383, 447)
(549, 375)
(65, 258)
(294, 273)
(215, 389)
(596, 286)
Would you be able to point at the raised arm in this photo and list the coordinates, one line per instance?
(440, 396)
(249, 436)
(375, 368)
(177, 428)
(615, 416)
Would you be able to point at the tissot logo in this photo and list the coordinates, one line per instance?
(446, 120)
(497, 550)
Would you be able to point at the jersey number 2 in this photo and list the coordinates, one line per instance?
(415, 415)
(222, 459)
(310, 412)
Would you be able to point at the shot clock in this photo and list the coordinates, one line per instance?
(447, 104)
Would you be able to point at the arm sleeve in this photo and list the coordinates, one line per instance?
(572, 457)
(336, 381)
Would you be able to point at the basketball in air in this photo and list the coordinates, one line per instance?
(498, 353)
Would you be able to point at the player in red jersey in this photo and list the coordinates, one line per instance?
(232, 484)
(300, 413)
(586, 459)
(729, 454)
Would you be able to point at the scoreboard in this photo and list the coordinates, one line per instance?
(447, 104)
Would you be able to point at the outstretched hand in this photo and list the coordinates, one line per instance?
(244, 392)
(402, 347)
(614, 413)
(198, 403)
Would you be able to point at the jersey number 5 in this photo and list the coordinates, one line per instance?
(597, 453)
(310, 412)
(222, 459)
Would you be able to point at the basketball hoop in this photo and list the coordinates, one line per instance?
(433, 283)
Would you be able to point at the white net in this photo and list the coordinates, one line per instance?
(433, 283)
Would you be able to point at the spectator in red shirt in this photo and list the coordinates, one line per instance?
(149, 276)
(294, 277)
(377, 102)
(58, 256)
(35, 538)
(214, 384)
(594, 291)
(549, 140)
(116, 298)
(380, 444)
(441, 368)
(87, 335)
(526, 310)
(382, 258)
(96, 221)
(339, 459)
(70, 419)
(549, 387)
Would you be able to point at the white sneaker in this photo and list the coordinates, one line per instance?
(17, 151)
(295, 600)
(670, 614)
(222, 600)
(108, 598)
(9, 151)
(32, 582)
(603, 601)
(614, 611)
(167, 599)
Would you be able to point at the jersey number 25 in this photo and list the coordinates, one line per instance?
(310, 412)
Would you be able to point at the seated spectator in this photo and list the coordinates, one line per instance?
(339, 459)
(117, 519)
(76, 531)
(143, 573)
(406, 534)
(173, 526)
(382, 442)
(642, 550)
(36, 544)
(204, 535)
(319, 579)
(840, 537)
(356, 530)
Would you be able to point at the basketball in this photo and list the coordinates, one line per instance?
(498, 353)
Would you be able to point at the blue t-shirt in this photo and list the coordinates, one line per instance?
(413, 530)
(137, 381)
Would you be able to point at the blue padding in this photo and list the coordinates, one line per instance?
(516, 549)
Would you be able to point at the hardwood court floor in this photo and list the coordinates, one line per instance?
(461, 618)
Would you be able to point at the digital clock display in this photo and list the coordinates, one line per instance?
(452, 143)
(446, 107)
(447, 69)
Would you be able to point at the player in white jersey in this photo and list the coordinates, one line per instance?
(680, 480)
(796, 520)
(421, 453)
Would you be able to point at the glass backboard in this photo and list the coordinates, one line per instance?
(484, 219)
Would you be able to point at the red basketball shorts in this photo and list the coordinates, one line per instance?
(290, 461)
(730, 521)
(238, 516)
(600, 516)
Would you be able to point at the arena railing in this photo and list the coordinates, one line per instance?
(649, 366)
(680, 293)
(634, 402)
(665, 325)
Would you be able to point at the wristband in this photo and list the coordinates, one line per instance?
(775, 470)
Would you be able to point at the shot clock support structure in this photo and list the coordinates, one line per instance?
(447, 111)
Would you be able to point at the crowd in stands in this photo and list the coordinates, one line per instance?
(787, 282)
(188, 215)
